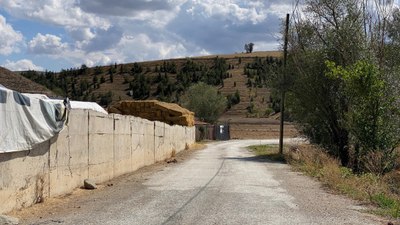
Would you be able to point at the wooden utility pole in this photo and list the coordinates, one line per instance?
(283, 85)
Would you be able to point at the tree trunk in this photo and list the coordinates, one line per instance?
(344, 148)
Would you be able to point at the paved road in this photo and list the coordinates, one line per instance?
(222, 184)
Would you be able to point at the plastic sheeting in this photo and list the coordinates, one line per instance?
(26, 121)
(76, 104)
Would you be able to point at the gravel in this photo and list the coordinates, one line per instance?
(221, 184)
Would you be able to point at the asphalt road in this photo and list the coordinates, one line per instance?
(222, 184)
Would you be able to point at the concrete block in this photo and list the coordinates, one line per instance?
(122, 145)
(149, 154)
(137, 144)
(24, 177)
(121, 124)
(122, 154)
(78, 121)
(100, 123)
(69, 163)
(101, 156)
(101, 172)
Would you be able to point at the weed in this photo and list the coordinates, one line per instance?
(268, 151)
(381, 191)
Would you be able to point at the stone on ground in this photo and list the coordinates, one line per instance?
(8, 220)
(89, 184)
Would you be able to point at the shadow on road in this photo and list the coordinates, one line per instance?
(261, 158)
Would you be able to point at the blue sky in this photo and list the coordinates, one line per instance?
(60, 34)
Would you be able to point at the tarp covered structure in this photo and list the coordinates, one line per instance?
(27, 121)
(30, 119)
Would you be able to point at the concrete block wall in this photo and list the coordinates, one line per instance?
(92, 145)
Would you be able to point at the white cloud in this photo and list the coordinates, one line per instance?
(9, 38)
(141, 47)
(57, 12)
(235, 11)
(22, 65)
(81, 34)
(46, 44)
(102, 31)
(155, 13)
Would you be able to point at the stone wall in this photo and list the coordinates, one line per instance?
(92, 145)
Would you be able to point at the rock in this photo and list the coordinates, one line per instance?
(8, 220)
(172, 160)
(89, 184)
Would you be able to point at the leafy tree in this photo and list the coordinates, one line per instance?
(106, 99)
(95, 79)
(83, 69)
(336, 103)
(204, 101)
(372, 118)
(249, 47)
(112, 77)
(102, 79)
(233, 99)
(140, 87)
(98, 70)
(136, 69)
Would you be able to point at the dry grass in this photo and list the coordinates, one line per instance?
(381, 191)
(196, 146)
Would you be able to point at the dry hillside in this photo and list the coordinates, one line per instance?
(112, 83)
(19, 83)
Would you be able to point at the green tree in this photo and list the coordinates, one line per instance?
(347, 34)
(205, 102)
(140, 87)
(372, 118)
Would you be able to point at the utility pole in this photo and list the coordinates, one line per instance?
(283, 86)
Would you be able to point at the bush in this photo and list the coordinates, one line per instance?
(205, 102)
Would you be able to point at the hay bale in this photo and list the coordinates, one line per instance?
(153, 110)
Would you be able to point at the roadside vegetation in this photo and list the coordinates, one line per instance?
(383, 191)
(343, 92)
(342, 81)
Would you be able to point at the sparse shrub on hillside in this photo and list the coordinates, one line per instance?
(168, 67)
(140, 87)
(233, 99)
(95, 79)
(111, 77)
(250, 108)
(83, 70)
(106, 99)
(98, 70)
(136, 69)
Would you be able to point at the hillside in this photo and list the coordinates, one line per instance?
(167, 80)
(19, 83)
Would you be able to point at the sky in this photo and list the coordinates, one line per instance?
(61, 34)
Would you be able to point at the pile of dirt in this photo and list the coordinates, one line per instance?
(169, 113)
(21, 84)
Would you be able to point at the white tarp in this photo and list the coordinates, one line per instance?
(26, 121)
(73, 104)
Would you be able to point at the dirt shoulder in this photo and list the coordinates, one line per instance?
(80, 197)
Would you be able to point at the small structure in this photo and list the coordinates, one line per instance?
(206, 131)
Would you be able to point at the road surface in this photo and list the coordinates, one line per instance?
(222, 184)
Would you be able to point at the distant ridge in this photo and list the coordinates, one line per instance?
(21, 84)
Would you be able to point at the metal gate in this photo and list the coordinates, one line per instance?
(222, 131)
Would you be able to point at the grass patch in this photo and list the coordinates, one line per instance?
(381, 191)
(270, 152)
